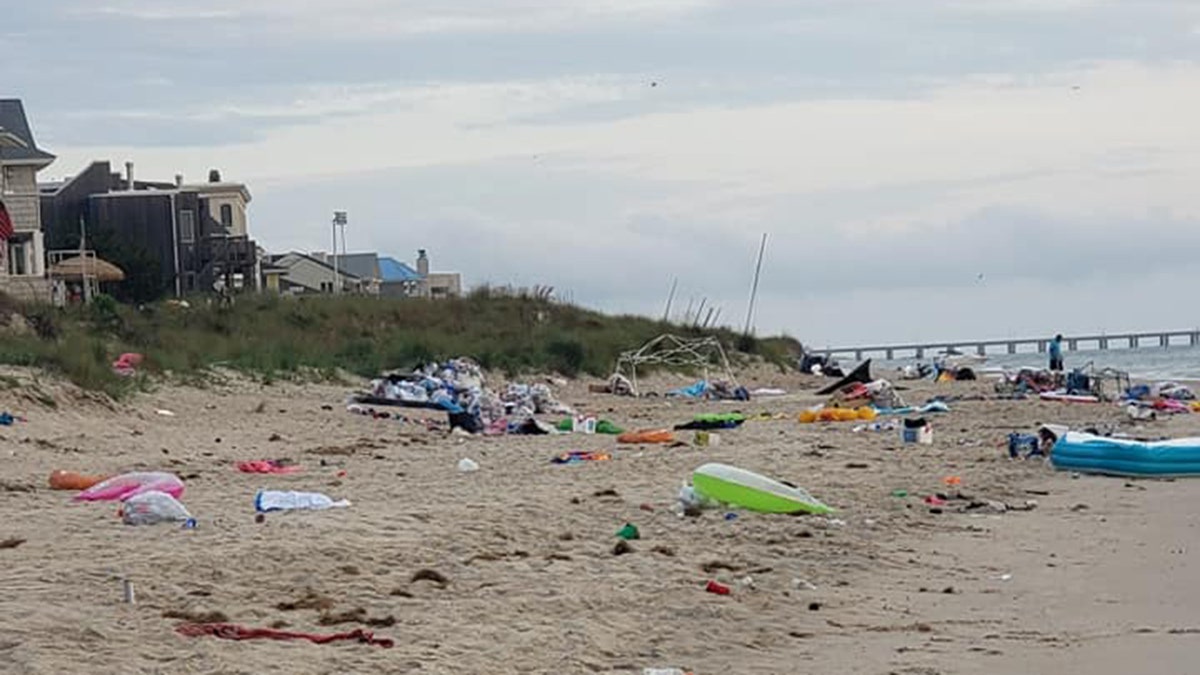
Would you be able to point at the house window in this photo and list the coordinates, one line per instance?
(227, 216)
(10, 179)
(326, 286)
(187, 226)
(16, 259)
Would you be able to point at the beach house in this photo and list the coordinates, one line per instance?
(170, 237)
(360, 273)
(22, 247)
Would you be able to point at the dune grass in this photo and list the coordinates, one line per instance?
(273, 337)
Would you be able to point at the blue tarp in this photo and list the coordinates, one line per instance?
(695, 391)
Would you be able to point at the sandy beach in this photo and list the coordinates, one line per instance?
(514, 564)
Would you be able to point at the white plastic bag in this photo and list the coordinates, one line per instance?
(153, 507)
(278, 500)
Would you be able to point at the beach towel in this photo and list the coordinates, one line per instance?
(581, 456)
(230, 631)
(931, 407)
(266, 466)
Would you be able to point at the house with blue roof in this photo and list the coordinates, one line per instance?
(361, 273)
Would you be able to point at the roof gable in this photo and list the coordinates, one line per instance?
(13, 120)
(288, 260)
(361, 265)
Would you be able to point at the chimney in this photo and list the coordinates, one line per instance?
(422, 264)
(129, 175)
(214, 176)
(178, 180)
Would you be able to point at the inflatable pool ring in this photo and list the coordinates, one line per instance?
(73, 480)
(1098, 454)
(120, 488)
(749, 490)
(865, 413)
(647, 436)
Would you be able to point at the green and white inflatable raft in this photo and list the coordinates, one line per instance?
(749, 490)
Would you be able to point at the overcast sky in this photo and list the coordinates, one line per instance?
(924, 168)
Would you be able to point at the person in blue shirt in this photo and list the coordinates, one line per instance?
(1056, 356)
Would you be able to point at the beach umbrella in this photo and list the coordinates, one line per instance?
(76, 267)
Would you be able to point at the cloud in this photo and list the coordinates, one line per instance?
(342, 20)
(883, 145)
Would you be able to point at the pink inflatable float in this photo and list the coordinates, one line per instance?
(120, 488)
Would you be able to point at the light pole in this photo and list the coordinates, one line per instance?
(339, 218)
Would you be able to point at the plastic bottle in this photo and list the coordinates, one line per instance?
(278, 500)
(153, 507)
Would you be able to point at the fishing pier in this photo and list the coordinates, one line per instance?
(1159, 340)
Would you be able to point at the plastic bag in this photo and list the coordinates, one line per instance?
(120, 488)
(153, 507)
(690, 501)
(277, 500)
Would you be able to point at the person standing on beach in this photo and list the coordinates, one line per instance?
(1056, 356)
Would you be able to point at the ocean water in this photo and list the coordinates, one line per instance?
(1147, 363)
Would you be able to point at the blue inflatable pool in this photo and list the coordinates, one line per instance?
(1096, 454)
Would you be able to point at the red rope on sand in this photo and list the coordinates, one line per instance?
(232, 631)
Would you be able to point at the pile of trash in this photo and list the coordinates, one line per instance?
(1146, 401)
(1161, 390)
(454, 386)
(879, 393)
(526, 400)
(460, 389)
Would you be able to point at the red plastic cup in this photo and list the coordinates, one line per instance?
(719, 589)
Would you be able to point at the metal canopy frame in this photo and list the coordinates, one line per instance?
(674, 351)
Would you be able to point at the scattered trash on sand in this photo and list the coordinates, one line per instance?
(467, 465)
